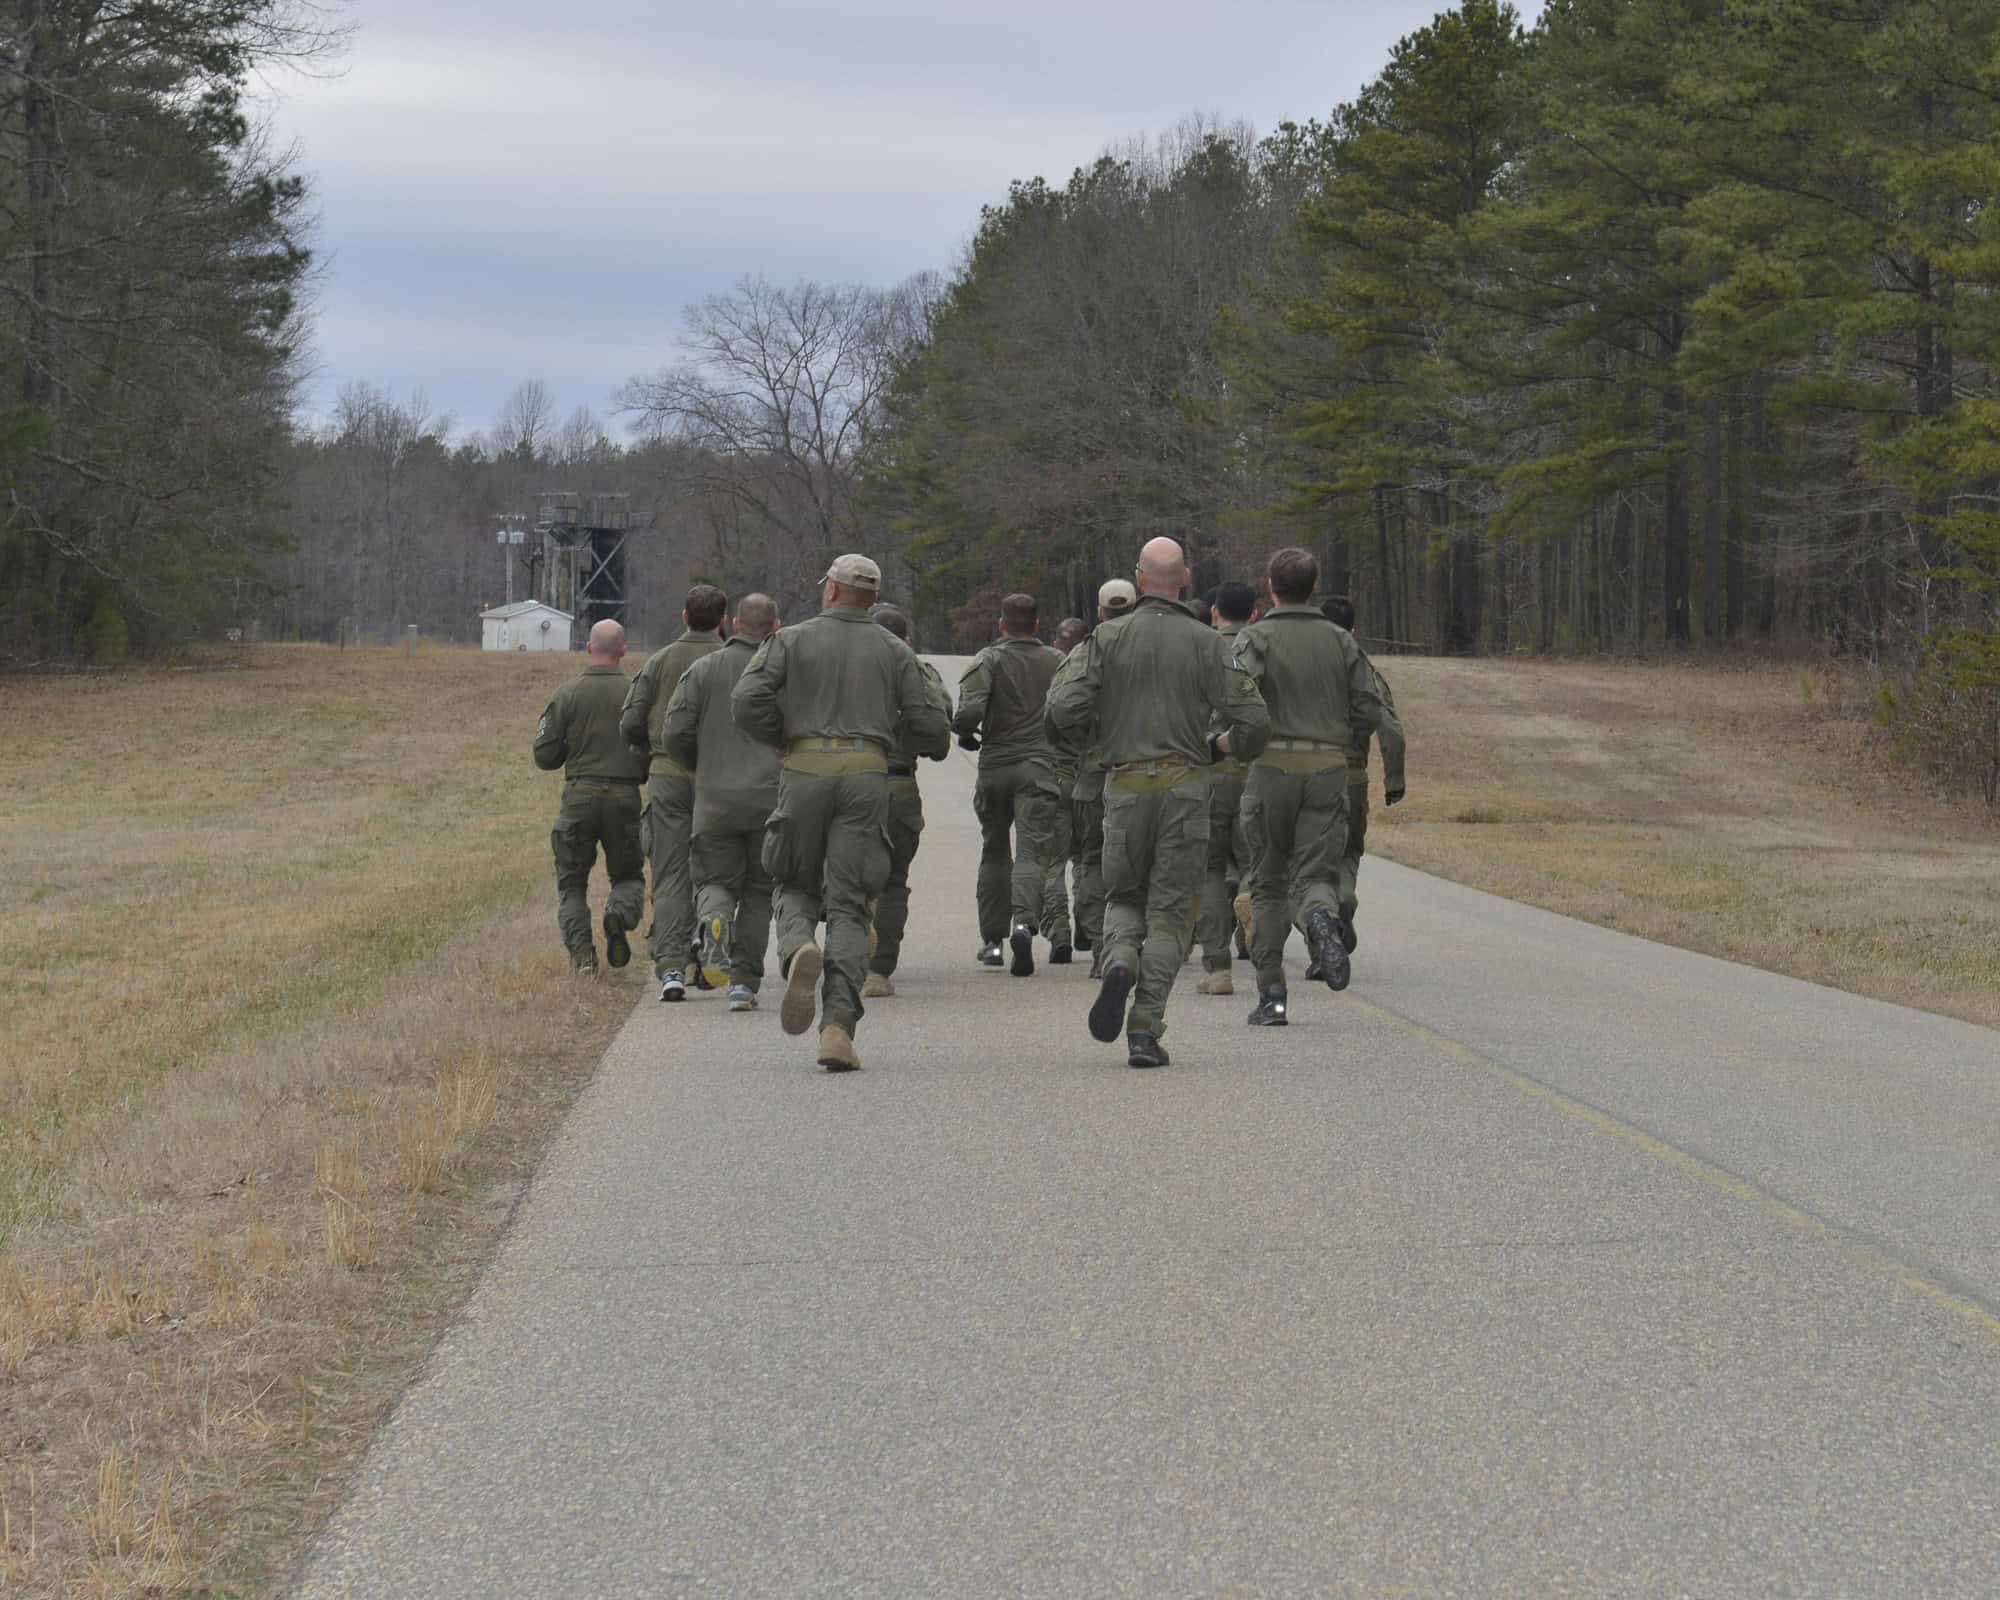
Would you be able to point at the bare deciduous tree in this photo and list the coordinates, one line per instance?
(779, 396)
(526, 422)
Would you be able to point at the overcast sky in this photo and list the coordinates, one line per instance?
(514, 188)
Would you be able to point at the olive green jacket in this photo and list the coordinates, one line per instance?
(1084, 774)
(579, 730)
(645, 716)
(735, 779)
(903, 761)
(1389, 735)
(1319, 686)
(1000, 698)
(839, 676)
(1155, 680)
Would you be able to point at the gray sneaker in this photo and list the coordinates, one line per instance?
(673, 986)
(741, 998)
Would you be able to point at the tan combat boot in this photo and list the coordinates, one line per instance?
(1241, 906)
(836, 1050)
(877, 987)
(801, 1002)
(1215, 983)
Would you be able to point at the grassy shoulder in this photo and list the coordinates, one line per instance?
(1748, 812)
(283, 1024)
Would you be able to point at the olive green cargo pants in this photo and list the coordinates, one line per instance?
(1228, 861)
(1357, 838)
(669, 818)
(1297, 814)
(826, 849)
(1086, 854)
(1017, 806)
(892, 907)
(732, 885)
(1055, 881)
(597, 813)
(1155, 847)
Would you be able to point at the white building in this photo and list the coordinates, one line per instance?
(525, 625)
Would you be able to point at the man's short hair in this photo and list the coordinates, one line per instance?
(1294, 574)
(1235, 601)
(756, 615)
(1340, 609)
(705, 607)
(895, 619)
(1019, 613)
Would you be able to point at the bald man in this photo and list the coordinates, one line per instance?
(1154, 682)
(602, 772)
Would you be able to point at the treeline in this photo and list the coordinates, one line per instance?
(1665, 322)
(1662, 323)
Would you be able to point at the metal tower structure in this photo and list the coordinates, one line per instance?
(584, 537)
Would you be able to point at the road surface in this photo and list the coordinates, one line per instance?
(1544, 1261)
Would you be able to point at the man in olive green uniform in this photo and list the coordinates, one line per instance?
(837, 695)
(1389, 736)
(735, 792)
(579, 732)
(669, 787)
(1056, 881)
(1114, 598)
(1320, 690)
(906, 825)
(1233, 608)
(1017, 797)
(1144, 701)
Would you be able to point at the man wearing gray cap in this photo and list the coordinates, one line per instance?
(838, 695)
(1086, 835)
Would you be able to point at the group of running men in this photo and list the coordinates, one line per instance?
(1202, 771)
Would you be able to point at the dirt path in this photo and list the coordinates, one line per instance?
(1742, 812)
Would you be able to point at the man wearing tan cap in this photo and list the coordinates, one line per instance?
(838, 695)
(1144, 700)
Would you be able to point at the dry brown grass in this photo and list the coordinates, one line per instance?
(1748, 812)
(284, 1016)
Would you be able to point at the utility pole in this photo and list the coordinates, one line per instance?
(509, 535)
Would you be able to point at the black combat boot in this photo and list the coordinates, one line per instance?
(1144, 1050)
(1060, 953)
(617, 950)
(1271, 1011)
(1107, 1012)
(1022, 940)
(989, 955)
(1083, 941)
(1348, 937)
(1323, 936)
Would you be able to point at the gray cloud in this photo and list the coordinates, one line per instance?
(514, 189)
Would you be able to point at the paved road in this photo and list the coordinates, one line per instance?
(1544, 1261)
